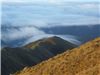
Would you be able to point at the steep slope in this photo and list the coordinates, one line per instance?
(95, 70)
(14, 59)
(84, 60)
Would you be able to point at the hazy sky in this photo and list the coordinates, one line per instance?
(45, 13)
(51, 1)
(42, 14)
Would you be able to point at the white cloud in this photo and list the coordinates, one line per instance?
(37, 37)
(90, 6)
(23, 32)
(32, 34)
(69, 38)
(50, 1)
(41, 16)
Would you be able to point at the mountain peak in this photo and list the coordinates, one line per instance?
(48, 41)
(14, 59)
(54, 37)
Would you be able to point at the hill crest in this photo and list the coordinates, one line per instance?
(14, 59)
(82, 60)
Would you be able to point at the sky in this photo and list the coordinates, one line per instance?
(51, 1)
(45, 13)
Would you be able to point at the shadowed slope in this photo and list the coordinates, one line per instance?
(83, 60)
(14, 59)
(54, 44)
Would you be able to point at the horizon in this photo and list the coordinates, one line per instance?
(45, 14)
(50, 1)
(34, 31)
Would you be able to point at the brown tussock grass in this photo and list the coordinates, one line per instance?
(84, 60)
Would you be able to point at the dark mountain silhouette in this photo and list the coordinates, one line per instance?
(15, 43)
(14, 59)
(53, 44)
(83, 32)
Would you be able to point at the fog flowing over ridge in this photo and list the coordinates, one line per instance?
(23, 35)
(23, 23)
(19, 36)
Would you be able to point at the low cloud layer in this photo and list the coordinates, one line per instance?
(24, 20)
(30, 34)
(12, 33)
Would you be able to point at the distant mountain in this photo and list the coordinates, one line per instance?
(14, 43)
(14, 59)
(54, 44)
(83, 33)
(84, 60)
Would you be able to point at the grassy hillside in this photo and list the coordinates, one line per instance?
(14, 59)
(84, 60)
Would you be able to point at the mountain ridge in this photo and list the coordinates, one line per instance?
(83, 33)
(84, 60)
(14, 59)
